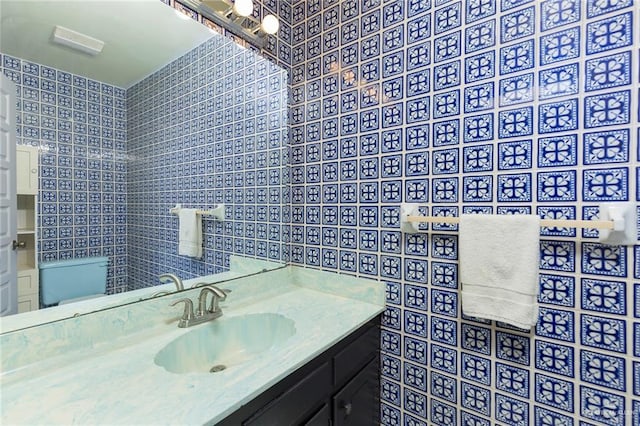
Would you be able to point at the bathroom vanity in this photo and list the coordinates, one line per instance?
(338, 387)
(294, 346)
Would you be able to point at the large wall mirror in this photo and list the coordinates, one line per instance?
(168, 112)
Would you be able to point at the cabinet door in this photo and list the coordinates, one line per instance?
(27, 169)
(356, 404)
(298, 403)
(321, 418)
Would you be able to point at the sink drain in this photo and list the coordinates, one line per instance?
(217, 368)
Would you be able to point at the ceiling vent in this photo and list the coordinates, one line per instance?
(77, 41)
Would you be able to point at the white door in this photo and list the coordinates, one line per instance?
(8, 280)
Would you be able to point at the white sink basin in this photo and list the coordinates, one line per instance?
(224, 343)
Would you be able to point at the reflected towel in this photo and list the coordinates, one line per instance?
(499, 258)
(190, 233)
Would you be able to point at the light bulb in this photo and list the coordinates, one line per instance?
(243, 7)
(270, 24)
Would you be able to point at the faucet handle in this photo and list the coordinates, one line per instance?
(188, 314)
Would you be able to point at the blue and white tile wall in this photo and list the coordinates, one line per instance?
(208, 128)
(488, 106)
(79, 125)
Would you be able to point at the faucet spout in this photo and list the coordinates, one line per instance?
(166, 278)
(218, 295)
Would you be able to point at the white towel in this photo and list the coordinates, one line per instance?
(499, 258)
(190, 233)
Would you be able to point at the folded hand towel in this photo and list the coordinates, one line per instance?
(190, 233)
(499, 257)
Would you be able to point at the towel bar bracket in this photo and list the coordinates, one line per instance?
(617, 223)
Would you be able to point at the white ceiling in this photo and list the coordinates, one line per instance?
(140, 36)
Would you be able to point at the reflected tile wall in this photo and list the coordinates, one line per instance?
(79, 125)
(483, 106)
(209, 128)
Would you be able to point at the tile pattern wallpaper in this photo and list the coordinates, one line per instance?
(208, 128)
(475, 106)
(79, 125)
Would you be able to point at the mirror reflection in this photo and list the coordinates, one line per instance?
(133, 123)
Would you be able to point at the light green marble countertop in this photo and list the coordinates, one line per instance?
(109, 376)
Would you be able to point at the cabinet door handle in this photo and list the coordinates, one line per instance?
(18, 245)
(347, 408)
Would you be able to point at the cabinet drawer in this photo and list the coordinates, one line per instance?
(27, 282)
(293, 406)
(356, 355)
(27, 303)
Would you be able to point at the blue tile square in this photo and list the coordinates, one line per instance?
(559, 81)
(609, 33)
(475, 398)
(511, 411)
(477, 339)
(556, 13)
(390, 367)
(560, 46)
(608, 71)
(477, 188)
(611, 108)
(419, 29)
(442, 414)
(516, 90)
(554, 358)
(606, 147)
(476, 368)
(447, 47)
(557, 151)
(444, 274)
(479, 67)
(517, 57)
(447, 18)
(603, 296)
(443, 331)
(480, 36)
(446, 75)
(557, 186)
(596, 9)
(444, 303)
(479, 9)
(518, 24)
(514, 155)
(478, 98)
(602, 406)
(605, 184)
(446, 104)
(478, 128)
(544, 416)
(446, 132)
(602, 370)
(444, 359)
(415, 402)
(556, 324)
(559, 116)
(557, 290)
(512, 379)
(478, 158)
(514, 188)
(604, 333)
(444, 387)
(554, 392)
(415, 350)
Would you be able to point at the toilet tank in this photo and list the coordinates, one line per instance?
(69, 279)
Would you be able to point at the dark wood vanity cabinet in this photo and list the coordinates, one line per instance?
(340, 387)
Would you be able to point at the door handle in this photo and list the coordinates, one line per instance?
(18, 245)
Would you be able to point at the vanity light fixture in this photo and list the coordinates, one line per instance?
(237, 17)
(77, 41)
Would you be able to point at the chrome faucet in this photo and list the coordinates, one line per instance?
(167, 278)
(204, 313)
